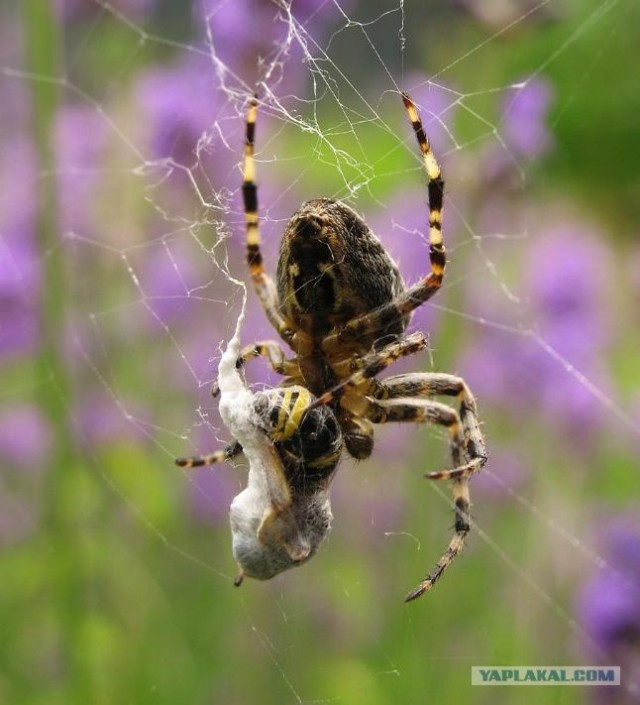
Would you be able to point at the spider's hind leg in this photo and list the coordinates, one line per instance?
(401, 307)
(403, 409)
(219, 456)
(462, 527)
(468, 453)
(262, 282)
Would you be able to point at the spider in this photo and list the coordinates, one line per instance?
(341, 305)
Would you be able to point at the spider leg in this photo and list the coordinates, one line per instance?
(419, 411)
(428, 411)
(416, 295)
(273, 352)
(403, 411)
(428, 384)
(369, 366)
(262, 283)
(462, 526)
(220, 456)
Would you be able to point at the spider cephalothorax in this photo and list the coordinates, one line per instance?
(340, 304)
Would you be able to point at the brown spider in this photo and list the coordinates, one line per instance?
(341, 305)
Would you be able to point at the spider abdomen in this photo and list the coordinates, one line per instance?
(332, 268)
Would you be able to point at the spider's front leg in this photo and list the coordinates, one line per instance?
(274, 354)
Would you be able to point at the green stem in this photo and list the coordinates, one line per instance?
(65, 555)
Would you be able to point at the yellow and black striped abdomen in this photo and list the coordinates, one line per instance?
(308, 440)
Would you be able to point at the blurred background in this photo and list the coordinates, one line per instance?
(121, 257)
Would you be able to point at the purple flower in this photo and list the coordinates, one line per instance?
(25, 439)
(170, 274)
(19, 263)
(81, 143)
(252, 38)
(541, 365)
(524, 136)
(524, 118)
(103, 419)
(189, 127)
(609, 605)
(18, 294)
(180, 103)
(248, 26)
(568, 268)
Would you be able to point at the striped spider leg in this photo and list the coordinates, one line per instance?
(409, 398)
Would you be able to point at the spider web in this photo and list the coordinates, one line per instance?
(151, 118)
